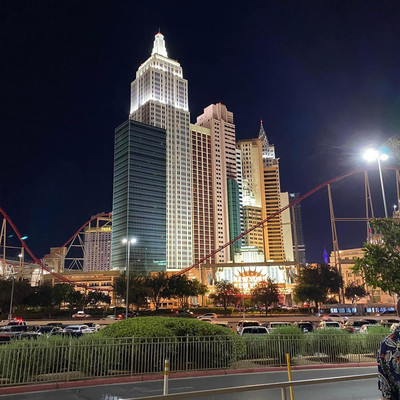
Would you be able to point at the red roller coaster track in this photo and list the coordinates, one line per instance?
(184, 271)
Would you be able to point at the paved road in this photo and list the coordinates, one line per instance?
(354, 390)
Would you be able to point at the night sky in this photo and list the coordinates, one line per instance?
(323, 75)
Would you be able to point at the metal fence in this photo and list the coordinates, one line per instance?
(57, 360)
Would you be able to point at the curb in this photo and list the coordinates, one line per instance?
(142, 378)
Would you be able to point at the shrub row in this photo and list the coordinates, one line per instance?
(325, 342)
(140, 345)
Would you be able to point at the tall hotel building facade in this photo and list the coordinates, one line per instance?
(139, 194)
(226, 203)
(159, 97)
(299, 247)
(272, 188)
(203, 193)
(261, 195)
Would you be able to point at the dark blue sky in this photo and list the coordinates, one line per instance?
(323, 75)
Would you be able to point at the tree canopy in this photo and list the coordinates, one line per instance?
(354, 292)
(265, 294)
(380, 264)
(314, 283)
(225, 293)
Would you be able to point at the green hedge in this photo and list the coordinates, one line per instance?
(182, 337)
(332, 342)
(22, 361)
(216, 310)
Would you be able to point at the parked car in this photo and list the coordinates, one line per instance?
(245, 323)
(224, 324)
(75, 330)
(354, 326)
(90, 329)
(254, 330)
(210, 320)
(184, 313)
(80, 314)
(93, 325)
(329, 324)
(8, 332)
(366, 327)
(305, 327)
(208, 315)
(131, 314)
(17, 322)
(50, 330)
(275, 324)
(14, 328)
(27, 335)
(111, 316)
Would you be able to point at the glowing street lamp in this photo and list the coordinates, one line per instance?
(372, 155)
(127, 242)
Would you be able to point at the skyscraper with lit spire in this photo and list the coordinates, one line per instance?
(273, 238)
(159, 97)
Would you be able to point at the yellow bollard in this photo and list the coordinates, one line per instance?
(289, 372)
(166, 373)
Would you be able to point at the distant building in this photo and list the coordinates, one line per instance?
(85, 282)
(297, 230)
(226, 209)
(55, 260)
(139, 197)
(347, 261)
(97, 249)
(261, 196)
(203, 193)
(253, 202)
(251, 216)
(272, 189)
(287, 228)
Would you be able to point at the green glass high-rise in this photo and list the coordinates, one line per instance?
(139, 197)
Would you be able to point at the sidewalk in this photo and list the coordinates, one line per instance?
(157, 377)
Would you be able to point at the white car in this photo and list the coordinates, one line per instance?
(329, 325)
(208, 315)
(81, 314)
(273, 325)
(254, 330)
(225, 324)
(76, 330)
(245, 323)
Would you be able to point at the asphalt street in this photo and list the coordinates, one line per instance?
(354, 390)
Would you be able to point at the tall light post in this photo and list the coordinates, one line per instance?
(21, 261)
(244, 312)
(372, 155)
(128, 243)
(11, 300)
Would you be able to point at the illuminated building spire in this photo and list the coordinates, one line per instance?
(261, 134)
(159, 45)
(268, 150)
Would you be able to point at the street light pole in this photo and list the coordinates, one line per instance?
(382, 187)
(372, 155)
(244, 312)
(11, 300)
(128, 242)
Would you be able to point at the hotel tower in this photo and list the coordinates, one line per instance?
(159, 97)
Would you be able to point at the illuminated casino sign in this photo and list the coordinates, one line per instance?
(247, 279)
